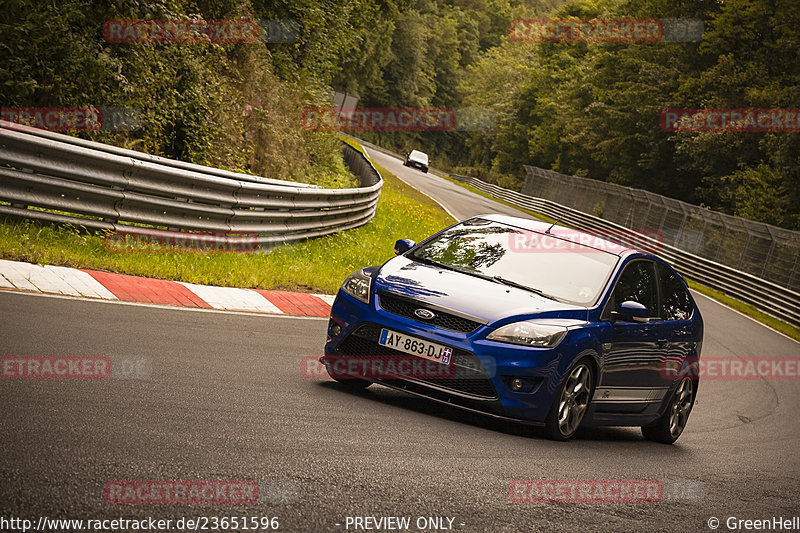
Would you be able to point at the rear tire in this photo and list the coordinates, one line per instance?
(571, 403)
(672, 422)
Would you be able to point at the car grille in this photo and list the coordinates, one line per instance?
(406, 308)
(469, 377)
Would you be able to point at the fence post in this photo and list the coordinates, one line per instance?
(721, 240)
(794, 271)
(773, 241)
(744, 248)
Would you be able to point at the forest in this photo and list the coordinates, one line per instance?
(590, 109)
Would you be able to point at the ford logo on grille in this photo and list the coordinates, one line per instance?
(424, 313)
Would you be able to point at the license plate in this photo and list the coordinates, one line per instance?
(415, 346)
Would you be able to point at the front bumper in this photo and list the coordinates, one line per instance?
(416, 164)
(482, 369)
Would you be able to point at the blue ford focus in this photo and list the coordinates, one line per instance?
(519, 319)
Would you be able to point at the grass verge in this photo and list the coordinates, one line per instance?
(315, 265)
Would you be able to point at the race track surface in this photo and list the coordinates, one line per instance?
(222, 397)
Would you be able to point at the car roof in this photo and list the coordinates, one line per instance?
(539, 226)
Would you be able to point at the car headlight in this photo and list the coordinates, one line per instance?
(529, 334)
(357, 285)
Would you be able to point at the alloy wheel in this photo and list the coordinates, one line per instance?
(574, 399)
(680, 408)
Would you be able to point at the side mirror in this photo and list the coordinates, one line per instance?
(632, 312)
(403, 245)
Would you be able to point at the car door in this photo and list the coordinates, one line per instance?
(631, 356)
(676, 338)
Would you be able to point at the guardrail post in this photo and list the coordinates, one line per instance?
(794, 271)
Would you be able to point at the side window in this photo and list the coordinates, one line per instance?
(677, 303)
(638, 284)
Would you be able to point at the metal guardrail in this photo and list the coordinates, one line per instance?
(764, 295)
(765, 251)
(102, 187)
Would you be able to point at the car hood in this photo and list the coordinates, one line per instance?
(467, 294)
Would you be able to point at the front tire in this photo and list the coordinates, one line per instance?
(671, 423)
(571, 403)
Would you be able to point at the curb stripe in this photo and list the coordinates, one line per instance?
(327, 298)
(231, 298)
(5, 284)
(50, 279)
(147, 290)
(67, 281)
(19, 275)
(82, 282)
(294, 303)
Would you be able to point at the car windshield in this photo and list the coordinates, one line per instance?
(422, 157)
(563, 270)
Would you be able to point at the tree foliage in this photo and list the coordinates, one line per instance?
(589, 109)
(592, 109)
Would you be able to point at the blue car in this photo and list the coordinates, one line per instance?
(524, 320)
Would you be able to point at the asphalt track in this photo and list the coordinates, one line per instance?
(223, 398)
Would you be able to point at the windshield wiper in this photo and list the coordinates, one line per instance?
(496, 279)
(431, 262)
(510, 283)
